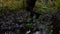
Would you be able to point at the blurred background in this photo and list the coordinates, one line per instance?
(14, 19)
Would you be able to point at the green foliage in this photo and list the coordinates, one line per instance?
(12, 4)
(57, 3)
(8, 6)
(45, 9)
(41, 8)
(42, 27)
(29, 25)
